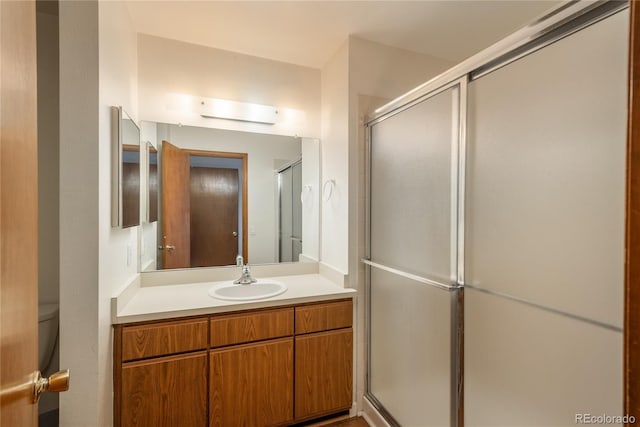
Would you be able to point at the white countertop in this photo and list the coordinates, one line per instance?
(191, 299)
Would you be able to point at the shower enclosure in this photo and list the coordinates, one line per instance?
(495, 237)
(290, 212)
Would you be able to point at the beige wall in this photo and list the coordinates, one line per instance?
(174, 75)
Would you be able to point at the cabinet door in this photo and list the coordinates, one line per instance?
(252, 385)
(165, 392)
(324, 373)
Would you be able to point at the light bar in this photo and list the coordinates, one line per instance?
(240, 111)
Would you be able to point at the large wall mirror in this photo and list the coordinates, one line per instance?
(125, 193)
(223, 193)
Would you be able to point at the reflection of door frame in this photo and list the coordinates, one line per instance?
(632, 238)
(244, 158)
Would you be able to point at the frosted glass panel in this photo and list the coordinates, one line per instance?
(528, 367)
(410, 349)
(411, 188)
(286, 215)
(546, 174)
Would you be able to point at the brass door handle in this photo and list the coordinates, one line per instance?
(235, 234)
(55, 383)
(166, 247)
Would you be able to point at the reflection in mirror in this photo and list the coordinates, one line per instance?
(125, 170)
(226, 193)
(290, 208)
(152, 182)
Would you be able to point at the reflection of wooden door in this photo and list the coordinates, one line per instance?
(175, 232)
(153, 184)
(130, 194)
(18, 218)
(214, 216)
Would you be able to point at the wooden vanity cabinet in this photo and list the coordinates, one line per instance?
(258, 368)
(168, 391)
(160, 374)
(251, 369)
(323, 359)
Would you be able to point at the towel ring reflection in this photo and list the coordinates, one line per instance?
(306, 190)
(327, 189)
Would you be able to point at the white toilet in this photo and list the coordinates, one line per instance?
(47, 334)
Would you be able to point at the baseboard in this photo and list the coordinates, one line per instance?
(371, 415)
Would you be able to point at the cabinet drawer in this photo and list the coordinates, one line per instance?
(324, 316)
(157, 339)
(240, 328)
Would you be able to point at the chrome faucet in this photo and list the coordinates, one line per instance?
(246, 278)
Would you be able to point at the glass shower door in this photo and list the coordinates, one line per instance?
(545, 233)
(412, 266)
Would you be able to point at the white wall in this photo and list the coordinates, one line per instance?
(335, 159)
(79, 210)
(174, 75)
(387, 72)
(264, 152)
(118, 86)
(311, 199)
(98, 69)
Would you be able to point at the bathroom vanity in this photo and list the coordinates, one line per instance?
(288, 360)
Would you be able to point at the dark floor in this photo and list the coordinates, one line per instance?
(48, 419)
(351, 422)
(336, 420)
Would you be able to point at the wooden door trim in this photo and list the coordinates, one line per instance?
(245, 189)
(632, 235)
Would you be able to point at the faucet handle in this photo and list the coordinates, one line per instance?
(239, 261)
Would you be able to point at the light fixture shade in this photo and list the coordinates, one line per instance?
(241, 111)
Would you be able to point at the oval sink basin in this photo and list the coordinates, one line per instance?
(259, 290)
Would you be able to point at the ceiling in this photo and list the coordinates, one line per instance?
(308, 33)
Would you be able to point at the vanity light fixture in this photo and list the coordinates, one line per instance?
(241, 111)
